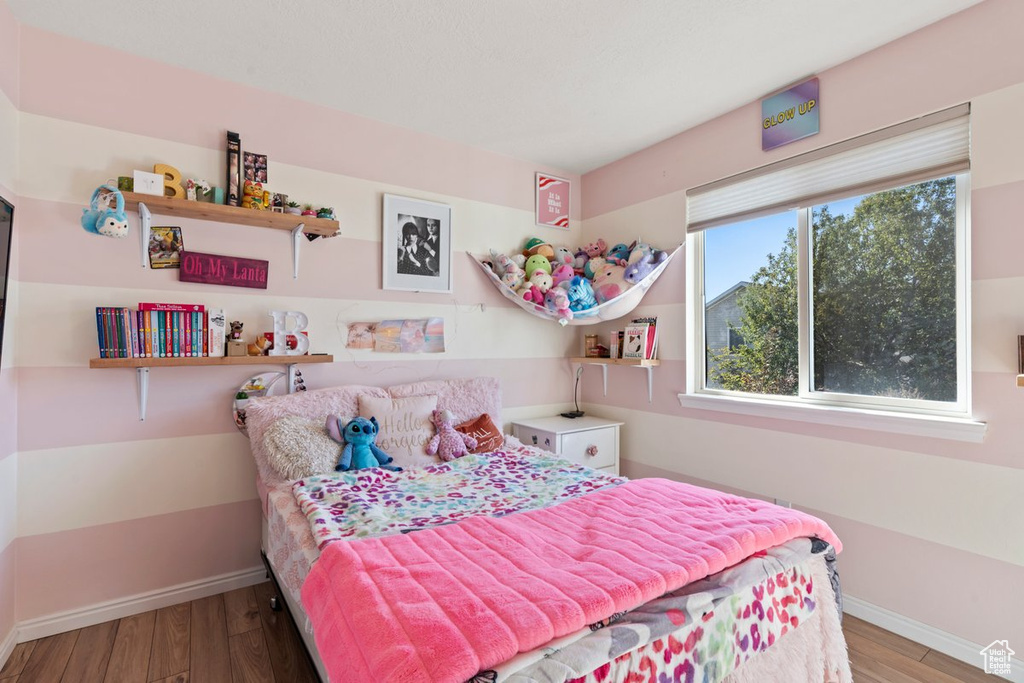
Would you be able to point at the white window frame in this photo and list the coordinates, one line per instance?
(950, 420)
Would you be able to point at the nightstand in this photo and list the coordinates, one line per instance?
(590, 441)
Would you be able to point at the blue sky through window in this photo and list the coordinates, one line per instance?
(733, 253)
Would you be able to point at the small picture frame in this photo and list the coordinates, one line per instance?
(552, 201)
(416, 245)
(165, 247)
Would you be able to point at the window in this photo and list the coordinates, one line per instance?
(838, 277)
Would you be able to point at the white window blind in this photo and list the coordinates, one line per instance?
(928, 147)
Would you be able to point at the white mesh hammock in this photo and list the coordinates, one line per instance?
(609, 310)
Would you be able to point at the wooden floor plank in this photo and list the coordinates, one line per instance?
(287, 653)
(956, 668)
(888, 639)
(170, 654)
(210, 660)
(89, 659)
(242, 613)
(177, 678)
(129, 658)
(18, 659)
(909, 669)
(250, 659)
(49, 658)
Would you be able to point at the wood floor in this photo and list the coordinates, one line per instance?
(235, 637)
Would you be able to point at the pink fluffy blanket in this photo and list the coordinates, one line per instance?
(444, 603)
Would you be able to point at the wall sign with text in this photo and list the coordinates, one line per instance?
(552, 201)
(790, 115)
(214, 269)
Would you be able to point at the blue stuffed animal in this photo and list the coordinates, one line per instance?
(360, 451)
(581, 294)
(103, 220)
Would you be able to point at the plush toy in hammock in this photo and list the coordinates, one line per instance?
(447, 442)
(360, 451)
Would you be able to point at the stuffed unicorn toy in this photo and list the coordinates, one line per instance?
(447, 442)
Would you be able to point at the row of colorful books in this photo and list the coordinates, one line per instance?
(155, 330)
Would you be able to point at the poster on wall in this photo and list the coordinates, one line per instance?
(552, 201)
(790, 115)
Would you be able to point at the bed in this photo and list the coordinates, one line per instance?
(513, 565)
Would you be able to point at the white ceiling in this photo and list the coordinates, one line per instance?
(573, 84)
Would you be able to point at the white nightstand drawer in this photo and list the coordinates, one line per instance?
(542, 439)
(574, 439)
(593, 448)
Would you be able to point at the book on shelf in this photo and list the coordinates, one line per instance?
(635, 344)
(651, 343)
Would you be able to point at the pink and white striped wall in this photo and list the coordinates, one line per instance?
(936, 527)
(9, 86)
(167, 507)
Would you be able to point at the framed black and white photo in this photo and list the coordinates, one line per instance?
(417, 245)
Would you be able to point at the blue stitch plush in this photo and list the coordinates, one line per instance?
(360, 451)
(100, 219)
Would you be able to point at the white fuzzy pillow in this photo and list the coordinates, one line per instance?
(297, 447)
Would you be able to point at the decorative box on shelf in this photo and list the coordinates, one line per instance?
(590, 441)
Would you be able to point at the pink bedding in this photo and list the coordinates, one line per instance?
(441, 604)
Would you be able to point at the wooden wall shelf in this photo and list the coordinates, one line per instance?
(207, 360)
(148, 204)
(647, 365)
(635, 362)
(230, 214)
(142, 366)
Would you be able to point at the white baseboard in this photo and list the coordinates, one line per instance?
(134, 604)
(929, 636)
(7, 646)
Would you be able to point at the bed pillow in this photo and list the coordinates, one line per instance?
(314, 405)
(466, 398)
(298, 447)
(488, 437)
(405, 427)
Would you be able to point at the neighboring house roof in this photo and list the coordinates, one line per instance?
(999, 645)
(735, 289)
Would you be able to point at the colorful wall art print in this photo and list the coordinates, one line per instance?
(165, 247)
(552, 201)
(423, 335)
(790, 115)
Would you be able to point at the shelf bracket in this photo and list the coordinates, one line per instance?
(290, 377)
(296, 234)
(604, 373)
(650, 381)
(142, 379)
(145, 221)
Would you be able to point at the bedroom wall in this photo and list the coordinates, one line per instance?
(933, 529)
(146, 506)
(9, 48)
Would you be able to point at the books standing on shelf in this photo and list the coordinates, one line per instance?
(613, 347)
(154, 330)
(641, 339)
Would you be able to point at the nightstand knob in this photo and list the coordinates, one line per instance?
(591, 450)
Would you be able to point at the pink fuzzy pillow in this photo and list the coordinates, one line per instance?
(466, 398)
(262, 413)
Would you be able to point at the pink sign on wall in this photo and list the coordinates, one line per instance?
(552, 201)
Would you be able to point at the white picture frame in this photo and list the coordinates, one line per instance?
(552, 201)
(416, 245)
